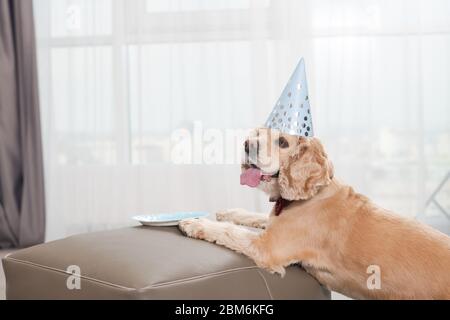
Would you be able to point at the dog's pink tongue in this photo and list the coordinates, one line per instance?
(251, 177)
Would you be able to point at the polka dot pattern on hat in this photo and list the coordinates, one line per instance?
(292, 112)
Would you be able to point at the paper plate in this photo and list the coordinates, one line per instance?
(167, 219)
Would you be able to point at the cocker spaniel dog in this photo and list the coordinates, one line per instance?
(335, 233)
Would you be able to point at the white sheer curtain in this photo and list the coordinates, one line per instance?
(117, 78)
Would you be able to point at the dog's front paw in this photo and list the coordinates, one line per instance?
(277, 270)
(193, 228)
(228, 214)
(272, 268)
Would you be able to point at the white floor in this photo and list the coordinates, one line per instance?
(2, 276)
(338, 296)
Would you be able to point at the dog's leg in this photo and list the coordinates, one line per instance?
(242, 240)
(243, 217)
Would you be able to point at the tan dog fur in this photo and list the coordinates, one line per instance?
(332, 231)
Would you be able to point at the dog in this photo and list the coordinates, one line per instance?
(336, 234)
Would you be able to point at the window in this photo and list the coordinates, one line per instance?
(117, 77)
(124, 74)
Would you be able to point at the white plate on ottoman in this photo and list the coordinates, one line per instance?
(168, 219)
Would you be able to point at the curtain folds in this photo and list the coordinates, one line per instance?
(22, 199)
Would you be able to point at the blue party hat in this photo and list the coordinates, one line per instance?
(292, 113)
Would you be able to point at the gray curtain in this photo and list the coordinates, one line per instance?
(22, 205)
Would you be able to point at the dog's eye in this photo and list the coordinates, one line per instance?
(283, 143)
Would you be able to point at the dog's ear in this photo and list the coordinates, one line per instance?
(305, 171)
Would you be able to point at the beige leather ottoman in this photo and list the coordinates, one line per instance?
(147, 263)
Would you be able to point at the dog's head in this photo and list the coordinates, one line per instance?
(287, 166)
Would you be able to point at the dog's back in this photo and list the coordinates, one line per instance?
(413, 259)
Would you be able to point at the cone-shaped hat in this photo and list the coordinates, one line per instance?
(292, 113)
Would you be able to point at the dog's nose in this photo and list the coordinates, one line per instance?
(247, 147)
